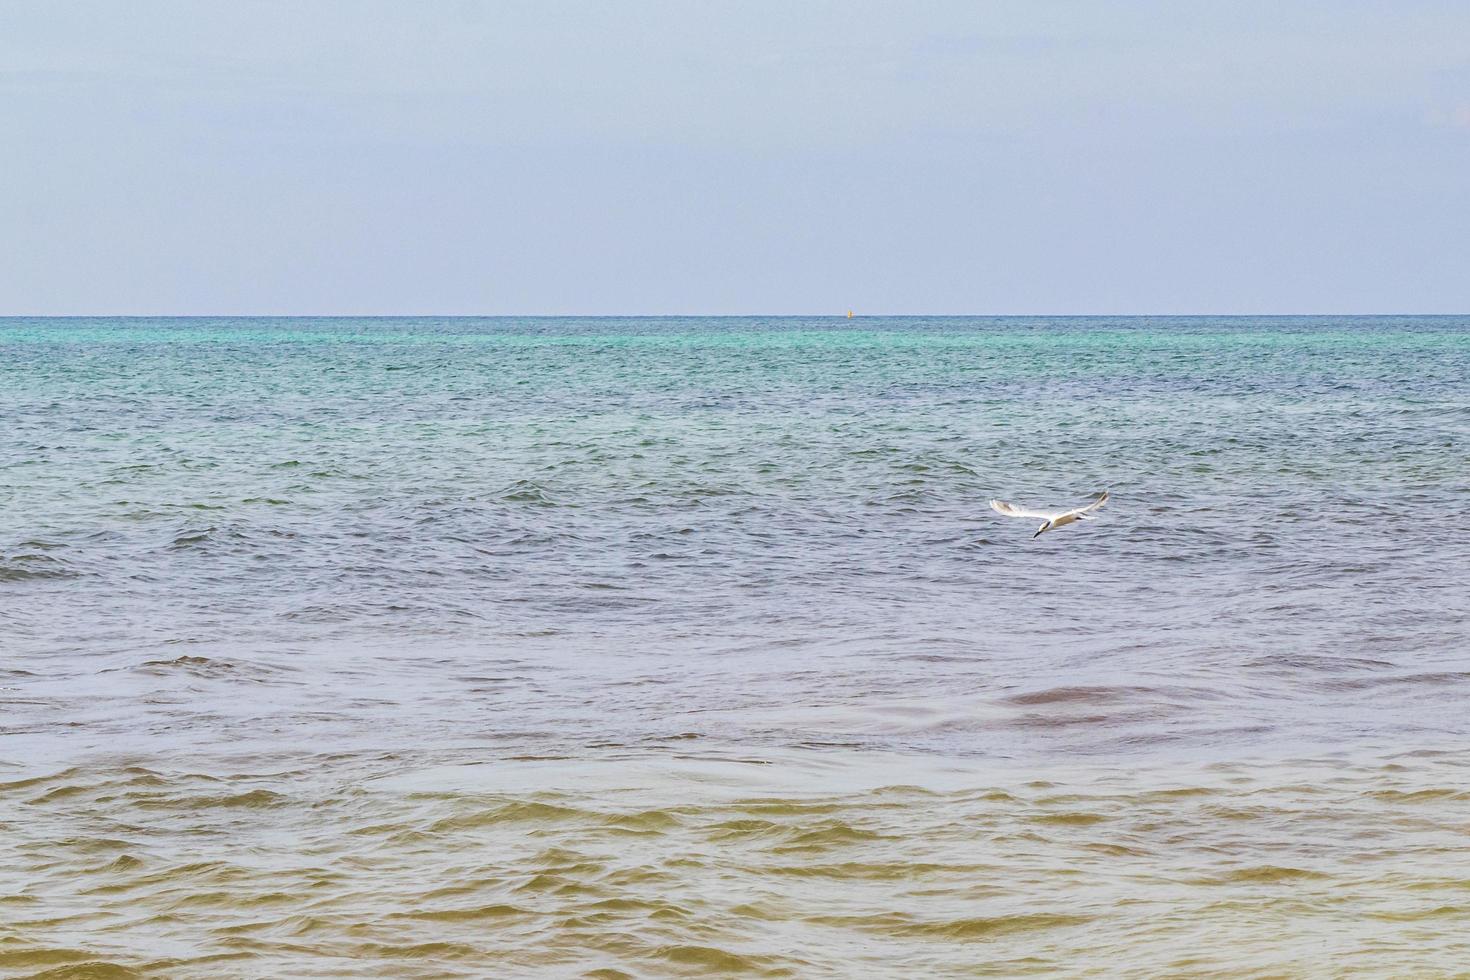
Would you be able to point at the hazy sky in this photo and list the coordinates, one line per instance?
(460, 156)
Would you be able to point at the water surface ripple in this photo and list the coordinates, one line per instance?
(434, 647)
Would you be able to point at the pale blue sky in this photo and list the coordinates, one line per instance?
(457, 156)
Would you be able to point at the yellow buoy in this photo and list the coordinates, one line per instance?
(849, 314)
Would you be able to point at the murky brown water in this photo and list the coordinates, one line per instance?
(792, 864)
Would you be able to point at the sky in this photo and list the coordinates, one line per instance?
(800, 157)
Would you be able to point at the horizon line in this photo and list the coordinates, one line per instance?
(681, 316)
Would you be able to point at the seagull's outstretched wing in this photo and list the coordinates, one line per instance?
(1083, 513)
(1011, 510)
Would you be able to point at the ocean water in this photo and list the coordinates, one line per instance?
(646, 647)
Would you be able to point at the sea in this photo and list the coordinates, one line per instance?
(645, 647)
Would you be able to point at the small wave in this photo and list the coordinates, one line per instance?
(497, 912)
(977, 927)
(1075, 819)
(189, 539)
(527, 492)
(519, 812)
(28, 566)
(711, 958)
(249, 800)
(78, 965)
(1265, 874)
(421, 951)
(1072, 694)
(199, 666)
(834, 834)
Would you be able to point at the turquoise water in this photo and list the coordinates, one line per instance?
(314, 556)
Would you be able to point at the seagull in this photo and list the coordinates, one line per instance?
(1051, 518)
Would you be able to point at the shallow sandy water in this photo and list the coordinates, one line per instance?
(799, 864)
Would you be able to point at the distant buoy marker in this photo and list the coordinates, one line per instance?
(849, 314)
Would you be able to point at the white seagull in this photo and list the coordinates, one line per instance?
(1051, 518)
